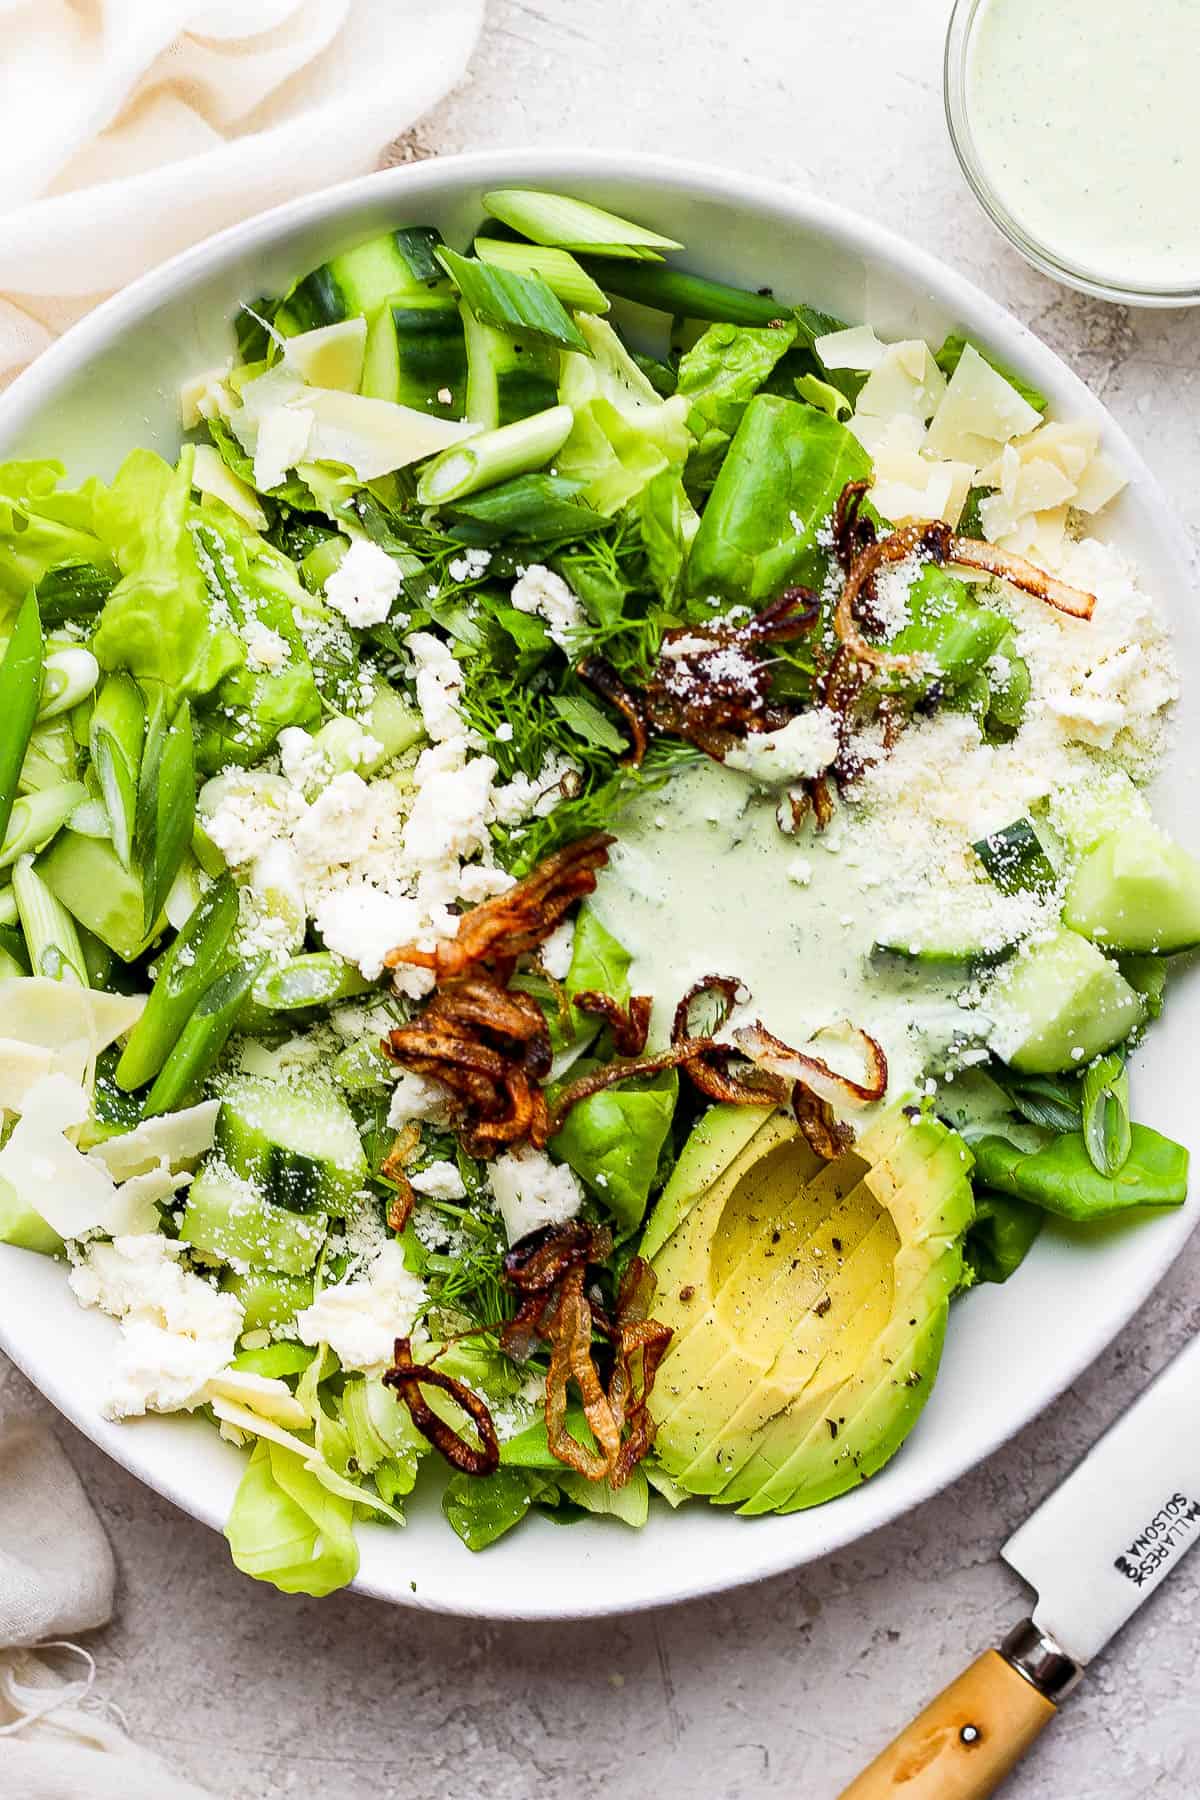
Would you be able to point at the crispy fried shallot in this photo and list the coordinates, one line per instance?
(629, 1024)
(498, 931)
(711, 684)
(769, 1052)
(406, 1378)
(549, 1270)
(489, 1045)
(392, 1169)
(863, 555)
(827, 1136)
(709, 1067)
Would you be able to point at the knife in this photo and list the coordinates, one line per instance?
(1094, 1550)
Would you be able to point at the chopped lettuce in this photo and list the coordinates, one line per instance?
(624, 432)
(159, 622)
(720, 375)
(613, 1140)
(669, 523)
(286, 1527)
(44, 530)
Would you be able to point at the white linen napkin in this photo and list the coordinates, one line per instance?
(56, 1580)
(132, 128)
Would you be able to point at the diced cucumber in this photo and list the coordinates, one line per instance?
(1060, 1003)
(86, 876)
(300, 1143)
(228, 1220)
(507, 377)
(318, 979)
(1082, 815)
(1015, 859)
(417, 354)
(1136, 890)
(364, 279)
(268, 1298)
(393, 723)
(20, 1225)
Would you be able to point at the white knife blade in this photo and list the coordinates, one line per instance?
(1118, 1525)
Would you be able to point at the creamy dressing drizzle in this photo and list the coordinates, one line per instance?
(699, 884)
(1085, 119)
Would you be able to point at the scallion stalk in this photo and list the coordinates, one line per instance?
(36, 817)
(687, 296)
(188, 968)
(495, 456)
(319, 979)
(118, 731)
(8, 906)
(20, 692)
(50, 933)
(557, 268)
(521, 304)
(68, 676)
(203, 1038)
(573, 224)
(166, 803)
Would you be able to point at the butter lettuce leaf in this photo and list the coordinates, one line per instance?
(720, 375)
(286, 1527)
(669, 523)
(776, 489)
(43, 529)
(614, 1139)
(158, 622)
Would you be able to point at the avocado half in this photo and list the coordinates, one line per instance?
(808, 1300)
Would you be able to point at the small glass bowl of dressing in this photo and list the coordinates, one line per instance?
(1077, 126)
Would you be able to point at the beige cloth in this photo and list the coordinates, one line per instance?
(56, 1580)
(133, 128)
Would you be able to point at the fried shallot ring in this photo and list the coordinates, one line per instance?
(406, 1378)
(935, 539)
(629, 1025)
(504, 927)
(767, 1051)
(709, 1069)
(569, 1326)
(826, 1135)
(614, 1072)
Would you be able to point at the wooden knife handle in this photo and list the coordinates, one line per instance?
(964, 1743)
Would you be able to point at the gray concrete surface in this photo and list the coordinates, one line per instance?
(780, 1689)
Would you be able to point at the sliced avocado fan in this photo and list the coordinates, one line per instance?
(809, 1303)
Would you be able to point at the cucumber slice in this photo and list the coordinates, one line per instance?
(507, 377)
(362, 280)
(228, 1220)
(417, 354)
(1059, 1004)
(300, 1143)
(1136, 890)
(1015, 859)
(268, 1298)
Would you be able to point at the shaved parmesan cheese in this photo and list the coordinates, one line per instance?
(36, 1010)
(136, 1202)
(205, 396)
(878, 437)
(71, 1192)
(906, 381)
(331, 356)
(281, 442)
(1026, 487)
(855, 348)
(20, 1066)
(1069, 447)
(1039, 537)
(978, 412)
(264, 1395)
(376, 436)
(171, 1138)
(212, 475)
(910, 486)
(1100, 482)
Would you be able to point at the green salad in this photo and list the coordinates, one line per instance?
(572, 873)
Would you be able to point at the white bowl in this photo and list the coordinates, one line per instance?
(112, 383)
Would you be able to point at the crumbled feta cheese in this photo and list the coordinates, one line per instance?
(805, 746)
(470, 566)
(531, 1191)
(800, 871)
(449, 818)
(556, 951)
(361, 1320)
(439, 1181)
(177, 1331)
(362, 924)
(338, 826)
(417, 1097)
(546, 594)
(364, 585)
(438, 679)
(504, 732)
